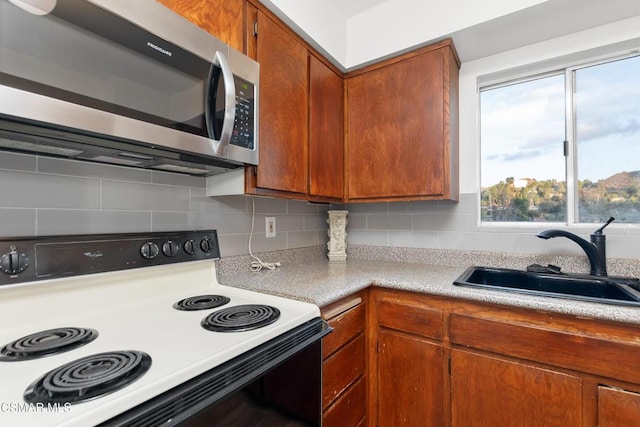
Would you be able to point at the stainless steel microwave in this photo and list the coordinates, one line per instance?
(124, 82)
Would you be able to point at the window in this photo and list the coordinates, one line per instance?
(563, 147)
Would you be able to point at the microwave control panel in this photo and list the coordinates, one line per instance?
(243, 127)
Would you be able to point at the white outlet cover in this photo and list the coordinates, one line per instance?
(270, 226)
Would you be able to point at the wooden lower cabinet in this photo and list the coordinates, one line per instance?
(438, 361)
(618, 408)
(490, 391)
(344, 351)
(409, 381)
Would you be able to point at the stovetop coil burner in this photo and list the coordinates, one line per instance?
(241, 318)
(46, 343)
(201, 302)
(88, 377)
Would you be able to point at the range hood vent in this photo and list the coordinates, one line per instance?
(41, 140)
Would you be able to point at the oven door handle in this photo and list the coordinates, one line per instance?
(220, 146)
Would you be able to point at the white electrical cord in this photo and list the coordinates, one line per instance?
(257, 264)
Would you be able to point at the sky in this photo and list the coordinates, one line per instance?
(523, 125)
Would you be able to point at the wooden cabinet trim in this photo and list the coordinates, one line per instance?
(446, 43)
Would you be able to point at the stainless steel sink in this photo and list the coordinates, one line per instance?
(622, 291)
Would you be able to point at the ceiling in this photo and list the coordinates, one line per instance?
(348, 8)
(353, 33)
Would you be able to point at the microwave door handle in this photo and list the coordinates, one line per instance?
(229, 104)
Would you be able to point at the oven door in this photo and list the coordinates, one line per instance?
(275, 384)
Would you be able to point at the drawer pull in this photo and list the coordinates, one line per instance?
(346, 306)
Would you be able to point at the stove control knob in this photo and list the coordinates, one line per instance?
(170, 248)
(14, 262)
(205, 245)
(189, 247)
(149, 250)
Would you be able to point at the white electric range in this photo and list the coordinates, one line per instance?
(149, 337)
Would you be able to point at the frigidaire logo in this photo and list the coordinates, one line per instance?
(159, 49)
(93, 255)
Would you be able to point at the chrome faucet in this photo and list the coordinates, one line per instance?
(595, 250)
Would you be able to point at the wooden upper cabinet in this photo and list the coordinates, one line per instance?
(222, 18)
(283, 130)
(402, 141)
(326, 132)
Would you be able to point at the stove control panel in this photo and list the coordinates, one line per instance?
(39, 258)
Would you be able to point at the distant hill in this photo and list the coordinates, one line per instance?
(623, 180)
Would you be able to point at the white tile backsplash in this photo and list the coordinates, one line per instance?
(17, 222)
(54, 196)
(450, 225)
(118, 195)
(35, 190)
(20, 162)
(58, 196)
(59, 222)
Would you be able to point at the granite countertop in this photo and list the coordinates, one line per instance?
(320, 282)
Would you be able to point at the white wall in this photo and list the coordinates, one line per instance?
(397, 24)
(327, 30)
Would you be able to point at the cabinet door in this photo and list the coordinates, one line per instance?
(489, 391)
(222, 18)
(326, 148)
(410, 381)
(395, 129)
(618, 408)
(284, 155)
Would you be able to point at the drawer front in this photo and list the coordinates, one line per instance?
(349, 410)
(345, 326)
(569, 350)
(412, 318)
(342, 369)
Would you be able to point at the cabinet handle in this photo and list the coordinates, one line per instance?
(346, 306)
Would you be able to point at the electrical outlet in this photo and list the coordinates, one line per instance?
(270, 226)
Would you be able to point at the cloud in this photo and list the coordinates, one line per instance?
(606, 127)
(514, 157)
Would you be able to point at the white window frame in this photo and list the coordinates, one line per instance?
(568, 67)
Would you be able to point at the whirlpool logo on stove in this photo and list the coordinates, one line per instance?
(93, 255)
